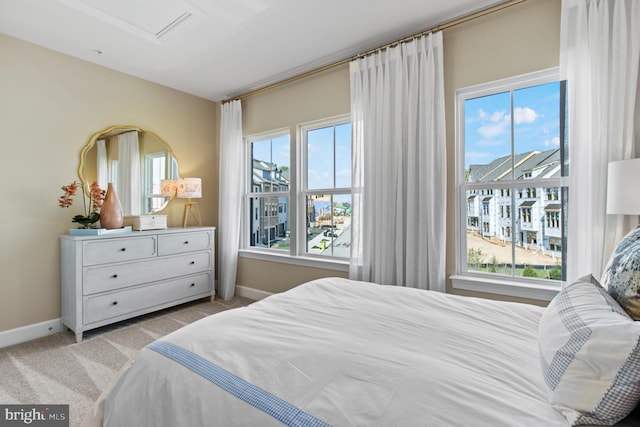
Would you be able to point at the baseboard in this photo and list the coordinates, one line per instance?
(30, 332)
(42, 329)
(251, 293)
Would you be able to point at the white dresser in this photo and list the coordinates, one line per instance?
(109, 278)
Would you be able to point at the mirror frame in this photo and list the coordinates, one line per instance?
(125, 128)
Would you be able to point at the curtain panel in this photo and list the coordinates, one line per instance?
(599, 54)
(399, 165)
(231, 175)
(101, 164)
(129, 172)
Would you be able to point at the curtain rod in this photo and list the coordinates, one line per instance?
(444, 26)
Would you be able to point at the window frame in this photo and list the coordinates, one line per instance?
(148, 195)
(515, 286)
(249, 193)
(294, 255)
(304, 191)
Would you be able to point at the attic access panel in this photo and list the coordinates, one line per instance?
(149, 19)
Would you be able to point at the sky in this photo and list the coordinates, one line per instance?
(487, 123)
(322, 170)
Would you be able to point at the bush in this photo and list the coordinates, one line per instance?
(493, 267)
(556, 273)
(529, 272)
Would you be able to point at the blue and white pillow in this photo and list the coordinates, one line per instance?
(621, 276)
(590, 355)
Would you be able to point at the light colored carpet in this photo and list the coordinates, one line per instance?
(57, 370)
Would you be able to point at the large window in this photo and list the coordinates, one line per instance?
(512, 174)
(298, 201)
(268, 197)
(326, 188)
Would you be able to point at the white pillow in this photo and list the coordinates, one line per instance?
(590, 355)
(621, 276)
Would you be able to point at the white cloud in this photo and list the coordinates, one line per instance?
(524, 115)
(498, 116)
(493, 130)
(553, 142)
(483, 115)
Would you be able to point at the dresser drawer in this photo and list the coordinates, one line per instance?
(102, 278)
(105, 306)
(102, 251)
(169, 244)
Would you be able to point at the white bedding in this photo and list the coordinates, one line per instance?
(346, 353)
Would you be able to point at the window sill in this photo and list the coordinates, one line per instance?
(326, 264)
(534, 290)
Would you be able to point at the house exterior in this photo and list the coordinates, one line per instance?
(530, 216)
(269, 215)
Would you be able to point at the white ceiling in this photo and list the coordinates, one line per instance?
(218, 49)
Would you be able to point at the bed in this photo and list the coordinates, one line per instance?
(337, 352)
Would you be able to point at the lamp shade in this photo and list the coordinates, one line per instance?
(623, 181)
(189, 188)
(168, 187)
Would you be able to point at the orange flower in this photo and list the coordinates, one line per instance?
(95, 196)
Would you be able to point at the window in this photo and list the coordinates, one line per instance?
(157, 166)
(326, 187)
(510, 131)
(269, 183)
(306, 214)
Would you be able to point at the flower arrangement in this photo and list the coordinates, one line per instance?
(91, 210)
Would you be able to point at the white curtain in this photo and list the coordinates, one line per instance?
(101, 164)
(599, 54)
(129, 173)
(232, 178)
(399, 166)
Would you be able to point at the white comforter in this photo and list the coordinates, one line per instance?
(346, 353)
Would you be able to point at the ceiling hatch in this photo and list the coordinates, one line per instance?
(153, 20)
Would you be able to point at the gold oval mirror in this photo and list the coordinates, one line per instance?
(135, 161)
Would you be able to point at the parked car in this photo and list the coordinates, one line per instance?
(330, 233)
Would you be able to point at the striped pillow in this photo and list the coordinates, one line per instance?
(590, 355)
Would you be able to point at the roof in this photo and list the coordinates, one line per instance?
(545, 164)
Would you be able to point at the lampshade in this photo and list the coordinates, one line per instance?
(190, 188)
(622, 187)
(168, 187)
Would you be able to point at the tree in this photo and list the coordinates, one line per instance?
(475, 257)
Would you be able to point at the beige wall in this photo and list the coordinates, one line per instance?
(50, 106)
(517, 40)
(316, 97)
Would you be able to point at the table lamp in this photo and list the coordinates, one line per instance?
(168, 188)
(622, 187)
(190, 188)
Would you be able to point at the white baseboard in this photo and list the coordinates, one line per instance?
(42, 329)
(251, 293)
(30, 332)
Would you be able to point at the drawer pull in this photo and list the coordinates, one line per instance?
(186, 242)
(115, 276)
(193, 284)
(123, 249)
(192, 262)
(114, 303)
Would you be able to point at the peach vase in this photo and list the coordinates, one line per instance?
(111, 212)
